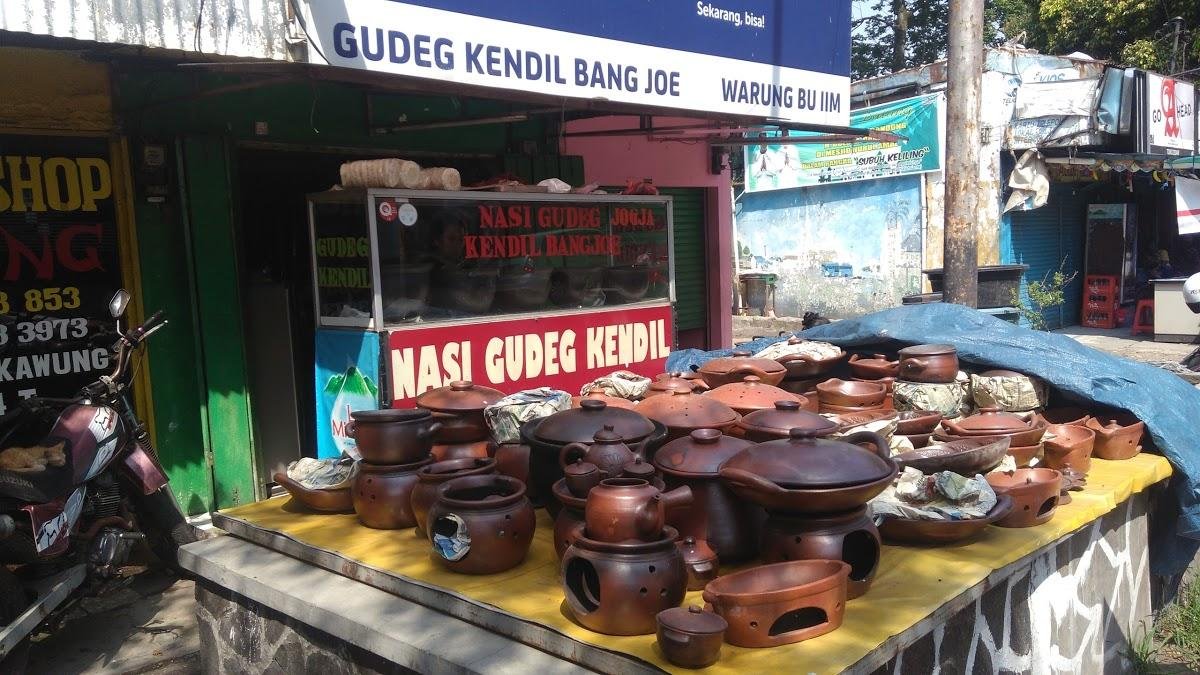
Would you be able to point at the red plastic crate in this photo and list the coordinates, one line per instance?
(1100, 301)
(1099, 318)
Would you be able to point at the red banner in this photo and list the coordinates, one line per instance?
(564, 351)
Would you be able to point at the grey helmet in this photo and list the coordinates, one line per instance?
(1191, 293)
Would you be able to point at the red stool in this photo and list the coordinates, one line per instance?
(1143, 317)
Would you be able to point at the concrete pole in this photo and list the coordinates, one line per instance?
(965, 71)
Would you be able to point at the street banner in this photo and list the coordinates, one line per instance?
(1187, 205)
(779, 167)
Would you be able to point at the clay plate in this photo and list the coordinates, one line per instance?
(912, 422)
(321, 501)
(938, 532)
(967, 457)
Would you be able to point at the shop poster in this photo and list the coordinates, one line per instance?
(1170, 116)
(347, 379)
(779, 167)
(61, 265)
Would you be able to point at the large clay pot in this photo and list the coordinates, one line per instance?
(619, 589)
(607, 452)
(459, 409)
(1071, 447)
(1117, 438)
(681, 412)
(495, 515)
(850, 536)
(382, 494)
(392, 436)
(429, 478)
(782, 603)
(692, 637)
(622, 510)
(768, 425)
(730, 525)
(752, 394)
(727, 369)
(876, 368)
(1035, 495)
(933, 364)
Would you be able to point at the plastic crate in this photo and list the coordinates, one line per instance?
(1099, 318)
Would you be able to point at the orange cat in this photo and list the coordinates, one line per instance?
(28, 460)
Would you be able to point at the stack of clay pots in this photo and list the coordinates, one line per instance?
(394, 445)
(481, 524)
(623, 565)
(876, 368)
(459, 409)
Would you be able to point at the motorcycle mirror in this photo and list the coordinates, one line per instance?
(119, 301)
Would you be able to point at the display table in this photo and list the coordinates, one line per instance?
(1173, 321)
(1058, 595)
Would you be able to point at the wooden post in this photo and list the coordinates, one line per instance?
(965, 71)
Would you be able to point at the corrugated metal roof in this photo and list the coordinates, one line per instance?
(242, 28)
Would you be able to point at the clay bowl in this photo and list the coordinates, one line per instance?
(1071, 447)
(876, 368)
(321, 501)
(939, 532)
(912, 422)
(1035, 495)
(781, 603)
(1023, 455)
(848, 393)
(1117, 438)
(848, 409)
(918, 441)
(1066, 415)
(1027, 437)
(967, 457)
(852, 420)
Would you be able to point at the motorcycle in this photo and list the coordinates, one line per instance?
(76, 502)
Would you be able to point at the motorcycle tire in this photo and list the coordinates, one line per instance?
(13, 601)
(164, 525)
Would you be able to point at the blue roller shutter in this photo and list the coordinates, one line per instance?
(1043, 238)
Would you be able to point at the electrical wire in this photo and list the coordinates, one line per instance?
(304, 29)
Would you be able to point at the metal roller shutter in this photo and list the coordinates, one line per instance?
(1043, 238)
(691, 296)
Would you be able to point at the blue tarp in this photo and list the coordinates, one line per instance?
(1169, 405)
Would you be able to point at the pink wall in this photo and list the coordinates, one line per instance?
(612, 160)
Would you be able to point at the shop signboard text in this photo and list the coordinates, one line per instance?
(1170, 116)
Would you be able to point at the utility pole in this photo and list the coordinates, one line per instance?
(965, 71)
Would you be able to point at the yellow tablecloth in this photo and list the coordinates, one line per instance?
(910, 585)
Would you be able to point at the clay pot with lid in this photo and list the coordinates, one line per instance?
(665, 382)
(730, 525)
(393, 436)
(701, 561)
(1069, 446)
(767, 425)
(932, 364)
(607, 452)
(845, 393)
(683, 411)
(431, 477)
(803, 366)
(459, 409)
(624, 510)
(727, 369)
(692, 637)
(382, 494)
(639, 468)
(581, 477)
(752, 394)
(597, 394)
(1117, 438)
(1034, 492)
(780, 603)
(807, 474)
(988, 422)
(877, 367)
(481, 524)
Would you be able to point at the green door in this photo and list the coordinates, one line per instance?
(691, 278)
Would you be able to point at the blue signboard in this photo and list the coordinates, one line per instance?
(347, 379)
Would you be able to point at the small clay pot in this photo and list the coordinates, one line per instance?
(382, 494)
(1024, 455)
(493, 514)
(780, 603)
(734, 368)
(581, 477)
(932, 364)
(675, 381)
(1118, 438)
(1035, 495)
(913, 422)
(392, 436)
(569, 516)
(1071, 447)
(1066, 415)
(429, 478)
(622, 510)
(639, 469)
(876, 368)
(692, 637)
(701, 562)
(989, 421)
(847, 394)
(444, 452)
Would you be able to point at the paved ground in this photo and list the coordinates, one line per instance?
(1139, 348)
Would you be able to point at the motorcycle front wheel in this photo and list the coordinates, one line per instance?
(164, 525)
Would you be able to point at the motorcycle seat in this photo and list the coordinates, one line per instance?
(37, 487)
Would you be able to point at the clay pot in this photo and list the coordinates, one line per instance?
(912, 422)
(639, 469)
(607, 452)
(802, 367)
(933, 364)
(700, 560)
(321, 501)
(692, 637)
(618, 589)
(681, 412)
(382, 494)
(493, 514)
(570, 515)
(846, 393)
(988, 422)
(767, 425)
(1035, 495)
(1071, 447)
(597, 394)
(444, 452)
(623, 510)
(727, 369)
(782, 603)
(887, 382)
(665, 382)
(875, 368)
(1117, 439)
(581, 477)
(966, 457)
(1066, 415)
(459, 409)
(430, 478)
(512, 459)
(752, 394)
(941, 532)
(392, 436)
(729, 525)
(849, 536)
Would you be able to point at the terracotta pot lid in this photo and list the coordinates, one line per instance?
(638, 468)
(787, 415)
(992, 420)
(579, 468)
(679, 381)
(390, 415)
(580, 425)
(724, 364)
(752, 394)
(693, 620)
(804, 461)
(927, 350)
(700, 454)
(687, 410)
(460, 396)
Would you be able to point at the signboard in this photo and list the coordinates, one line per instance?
(778, 167)
(341, 240)
(564, 351)
(742, 58)
(1169, 122)
(60, 265)
(347, 379)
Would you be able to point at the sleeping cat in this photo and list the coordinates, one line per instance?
(35, 458)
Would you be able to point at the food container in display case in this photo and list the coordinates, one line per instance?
(511, 291)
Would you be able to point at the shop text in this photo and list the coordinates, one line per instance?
(735, 17)
(42, 184)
